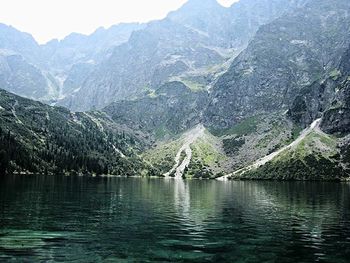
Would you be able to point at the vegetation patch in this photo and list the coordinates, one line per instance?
(193, 86)
(335, 74)
(161, 132)
(232, 145)
(207, 157)
(36, 138)
(311, 167)
(246, 127)
(162, 157)
(315, 158)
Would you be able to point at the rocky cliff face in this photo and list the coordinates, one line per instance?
(52, 71)
(79, 48)
(169, 110)
(21, 61)
(336, 118)
(280, 61)
(25, 79)
(194, 39)
(194, 44)
(327, 98)
(20, 43)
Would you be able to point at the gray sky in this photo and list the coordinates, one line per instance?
(48, 19)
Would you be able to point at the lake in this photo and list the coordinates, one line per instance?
(84, 219)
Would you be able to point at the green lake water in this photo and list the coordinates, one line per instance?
(80, 219)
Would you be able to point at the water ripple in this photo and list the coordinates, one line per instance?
(140, 220)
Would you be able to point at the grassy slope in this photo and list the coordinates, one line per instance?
(162, 156)
(315, 158)
(208, 157)
(228, 150)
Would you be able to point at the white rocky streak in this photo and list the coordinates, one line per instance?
(14, 112)
(119, 151)
(190, 138)
(313, 127)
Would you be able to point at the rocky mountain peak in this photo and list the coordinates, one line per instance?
(194, 9)
(201, 3)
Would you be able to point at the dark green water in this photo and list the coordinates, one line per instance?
(73, 219)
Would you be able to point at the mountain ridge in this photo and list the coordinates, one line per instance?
(247, 76)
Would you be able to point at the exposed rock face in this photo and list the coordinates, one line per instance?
(171, 109)
(336, 119)
(58, 68)
(280, 61)
(247, 16)
(20, 77)
(311, 102)
(328, 98)
(79, 48)
(21, 43)
(76, 77)
(198, 36)
(194, 44)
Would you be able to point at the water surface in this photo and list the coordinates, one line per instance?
(81, 219)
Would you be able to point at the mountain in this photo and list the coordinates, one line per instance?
(191, 44)
(25, 79)
(21, 64)
(308, 83)
(169, 110)
(328, 98)
(194, 45)
(259, 90)
(284, 75)
(19, 42)
(280, 61)
(54, 70)
(36, 138)
(336, 118)
(79, 48)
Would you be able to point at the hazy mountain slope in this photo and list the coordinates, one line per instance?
(21, 64)
(247, 17)
(38, 138)
(193, 44)
(21, 43)
(52, 71)
(195, 38)
(79, 48)
(280, 61)
(23, 78)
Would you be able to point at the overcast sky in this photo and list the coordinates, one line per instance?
(48, 19)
